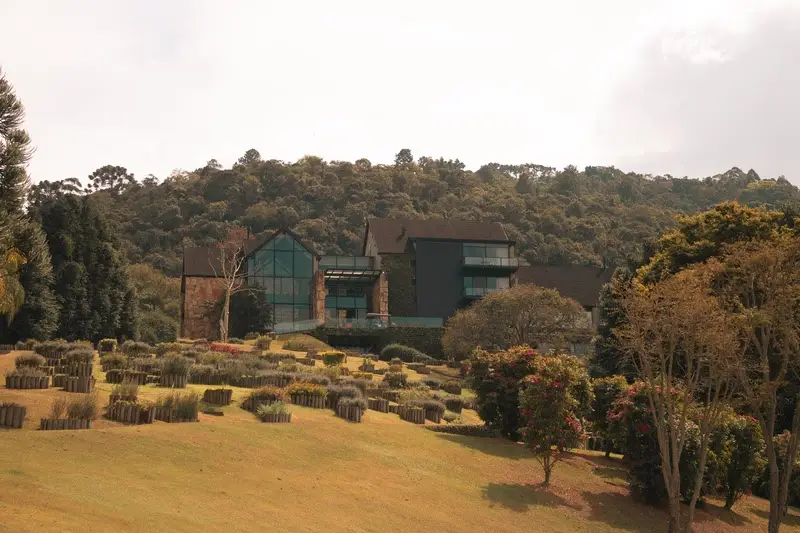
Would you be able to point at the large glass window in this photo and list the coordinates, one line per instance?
(486, 250)
(480, 285)
(349, 300)
(283, 269)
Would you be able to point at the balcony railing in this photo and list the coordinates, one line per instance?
(478, 292)
(383, 323)
(492, 262)
(346, 262)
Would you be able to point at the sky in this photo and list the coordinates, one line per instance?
(685, 87)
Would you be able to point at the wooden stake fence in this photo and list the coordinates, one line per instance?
(61, 423)
(378, 404)
(27, 382)
(176, 381)
(415, 415)
(277, 418)
(12, 416)
(82, 384)
(307, 400)
(218, 396)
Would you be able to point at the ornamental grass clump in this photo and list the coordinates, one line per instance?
(107, 345)
(265, 412)
(176, 365)
(113, 361)
(186, 405)
(79, 354)
(296, 345)
(83, 407)
(29, 360)
(396, 380)
(333, 358)
(264, 395)
(306, 388)
(337, 392)
(136, 349)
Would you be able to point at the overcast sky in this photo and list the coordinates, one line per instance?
(687, 87)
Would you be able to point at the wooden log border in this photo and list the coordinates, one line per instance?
(12, 416)
(218, 396)
(27, 382)
(130, 413)
(378, 404)
(349, 412)
(114, 398)
(80, 370)
(64, 423)
(309, 400)
(277, 418)
(79, 384)
(415, 415)
(169, 415)
(175, 381)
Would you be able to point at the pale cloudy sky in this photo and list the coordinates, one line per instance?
(688, 87)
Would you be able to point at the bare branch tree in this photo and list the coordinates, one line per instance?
(683, 346)
(228, 262)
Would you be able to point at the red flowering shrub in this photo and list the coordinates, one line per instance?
(606, 392)
(224, 348)
(496, 378)
(552, 403)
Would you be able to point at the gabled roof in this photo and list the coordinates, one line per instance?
(581, 283)
(392, 235)
(205, 260)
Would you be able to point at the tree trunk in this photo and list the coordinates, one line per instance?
(548, 470)
(674, 515)
(608, 447)
(774, 483)
(698, 483)
(225, 318)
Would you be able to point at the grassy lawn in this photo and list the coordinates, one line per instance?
(235, 474)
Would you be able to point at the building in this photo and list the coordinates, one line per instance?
(411, 273)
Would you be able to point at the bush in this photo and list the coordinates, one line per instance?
(263, 343)
(234, 340)
(29, 360)
(428, 405)
(396, 380)
(26, 371)
(251, 336)
(454, 403)
(295, 345)
(54, 349)
(470, 430)
(353, 401)
(396, 361)
(289, 366)
(107, 345)
(496, 378)
(176, 365)
(433, 383)
(331, 372)
(745, 459)
(83, 407)
(552, 402)
(316, 379)
(187, 405)
(367, 376)
(606, 392)
(163, 348)
(337, 392)
(264, 411)
(79, 354)
(26, 345)
(148, 364)
(310, 389)
(404, 354)
(452, 418)
(264, 395)
(58, 408)
(333, 358)
(125, 390)
(113, 361)
(136, 349)
(224, 348)
(452, 387)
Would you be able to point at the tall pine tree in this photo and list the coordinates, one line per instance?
(92, 286)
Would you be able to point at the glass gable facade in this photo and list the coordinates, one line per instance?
(283, 268)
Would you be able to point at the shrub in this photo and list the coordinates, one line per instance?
(362, 375)
(412, 395)
(136, 349)
(29, 360)
(296, 345)
(224, 348)
(360, 384)
(163, 348)
(186, 405)
(310, 389)
(333, 358)
(552, 402)
(58, 408)
(404, 353)
(395, 368)
(26, 371)
(263, 343)
(744, 460)
(79, 354)
(125, 390)
(113, 361)
(26, 345)
(107, 345)
(264, 395)
(55, 349)
(433, 383)
(454, 403)
(606, 392)
(428, 405)
(337, 392)
(396, 361)
(176, 365)
(289, 366)
(148, 364)
(469, 430)
(83, 407)
(251, 336)
(316, 379)
(452, 418)
(396, 380)
(452, 387)
(235, 340)
(277, 408)
(496, 378)
(358, 401)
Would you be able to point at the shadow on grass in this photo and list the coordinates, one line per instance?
(609, 507)
(707, 511)
(790, 520)
(496, 446)
(520, 498)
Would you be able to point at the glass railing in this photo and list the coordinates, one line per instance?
(477, 292)
(294, 327)
(503, 262)
(384, 322)
(347, 262)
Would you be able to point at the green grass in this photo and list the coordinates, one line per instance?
(319, 473)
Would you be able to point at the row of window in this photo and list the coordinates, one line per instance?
(485, 250)
(484, 282)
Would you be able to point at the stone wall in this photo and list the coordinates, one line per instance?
(318, 296)
(380, 295)
(400, 275)
(426, 340)
(198, 292)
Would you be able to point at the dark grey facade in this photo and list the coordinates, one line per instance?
(438, 274)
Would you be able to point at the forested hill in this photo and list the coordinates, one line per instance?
(597, 215)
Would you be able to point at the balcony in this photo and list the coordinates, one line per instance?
(346, 262)
(384, 322)
(505, 263)
(479, 292)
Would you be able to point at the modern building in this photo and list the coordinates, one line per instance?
(411, 272)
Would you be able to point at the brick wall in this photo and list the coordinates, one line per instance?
(198, 293)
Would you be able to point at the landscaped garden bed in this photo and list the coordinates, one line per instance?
(218, 396)
(307, 395)
(415, 415)
(263, 396)
(130, 412)
(30, 380)
(378, 404)
(177, 407)
(273, 413)
(64, 423)
(79, 384)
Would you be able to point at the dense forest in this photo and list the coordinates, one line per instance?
(597, 216)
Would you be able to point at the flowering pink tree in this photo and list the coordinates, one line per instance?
(553, 402)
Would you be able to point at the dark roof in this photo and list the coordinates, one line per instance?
(581, 283)
(204, 260)
(391, 235)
